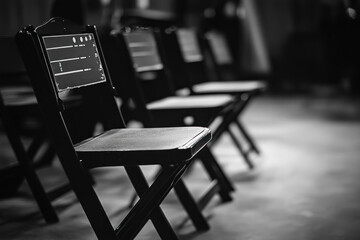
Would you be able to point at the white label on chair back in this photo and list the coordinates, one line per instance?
(74, 60)
(189, 45)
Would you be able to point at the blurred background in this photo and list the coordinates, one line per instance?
(298, 44)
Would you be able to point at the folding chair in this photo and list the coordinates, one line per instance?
(60, 56)
(135, 56)
(215, 43)
(21, 117)
(142, 18)
(20, 99)
(27, 168)
(188, 67)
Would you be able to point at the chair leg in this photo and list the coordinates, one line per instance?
(35, 145)
(225, 126)
(35, 185)
(47, 156)
(132, 200)
(191, 206)
(148, 207)
(91, 204)
(245, 102)
(162, 225)
(134, 197)
(240, 147)
(216, 172)
(247, 137)
(39, 194)
(216, 133)
(228, 118)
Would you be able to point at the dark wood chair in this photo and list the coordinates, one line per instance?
(60, 56)
(135, 56)
(21, 118)
(19, 97)
(26, 167)
(183, 50)
(216, 44)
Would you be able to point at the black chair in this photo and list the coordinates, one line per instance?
(26, 167)
(134, 55)
(151, 86)
(19, 97)
(60, 56)
(217, 47)
(21, 118)
(187, 63)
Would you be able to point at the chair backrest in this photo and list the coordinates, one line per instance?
(189, 45)
(218, 48)
(147, 76)
(74, 60)
(137, 67)
(143, 50)
(60, 56)
(183, 52)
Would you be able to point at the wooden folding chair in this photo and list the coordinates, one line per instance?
(216, 44)
(60, 56)
(26, 167)
(21, 118)
(135, 56)
(183, 51)
(20, 99)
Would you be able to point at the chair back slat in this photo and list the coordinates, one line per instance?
(219, 48)
(185, 58)
(143, 50)
(148, 75)
(220, 56)
(189, 45)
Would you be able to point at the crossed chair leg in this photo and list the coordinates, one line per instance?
(232, 117)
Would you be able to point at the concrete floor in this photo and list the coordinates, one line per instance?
(306, 185)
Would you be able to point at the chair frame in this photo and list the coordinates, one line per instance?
(147, 208)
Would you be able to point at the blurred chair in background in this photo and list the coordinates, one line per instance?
(184, 54)
(136, 67)
(23, 124)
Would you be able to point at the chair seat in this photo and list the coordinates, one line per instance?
(191, 102)
(229, 87)
(123, 147)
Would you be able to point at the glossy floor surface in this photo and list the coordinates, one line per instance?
(306, 184)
